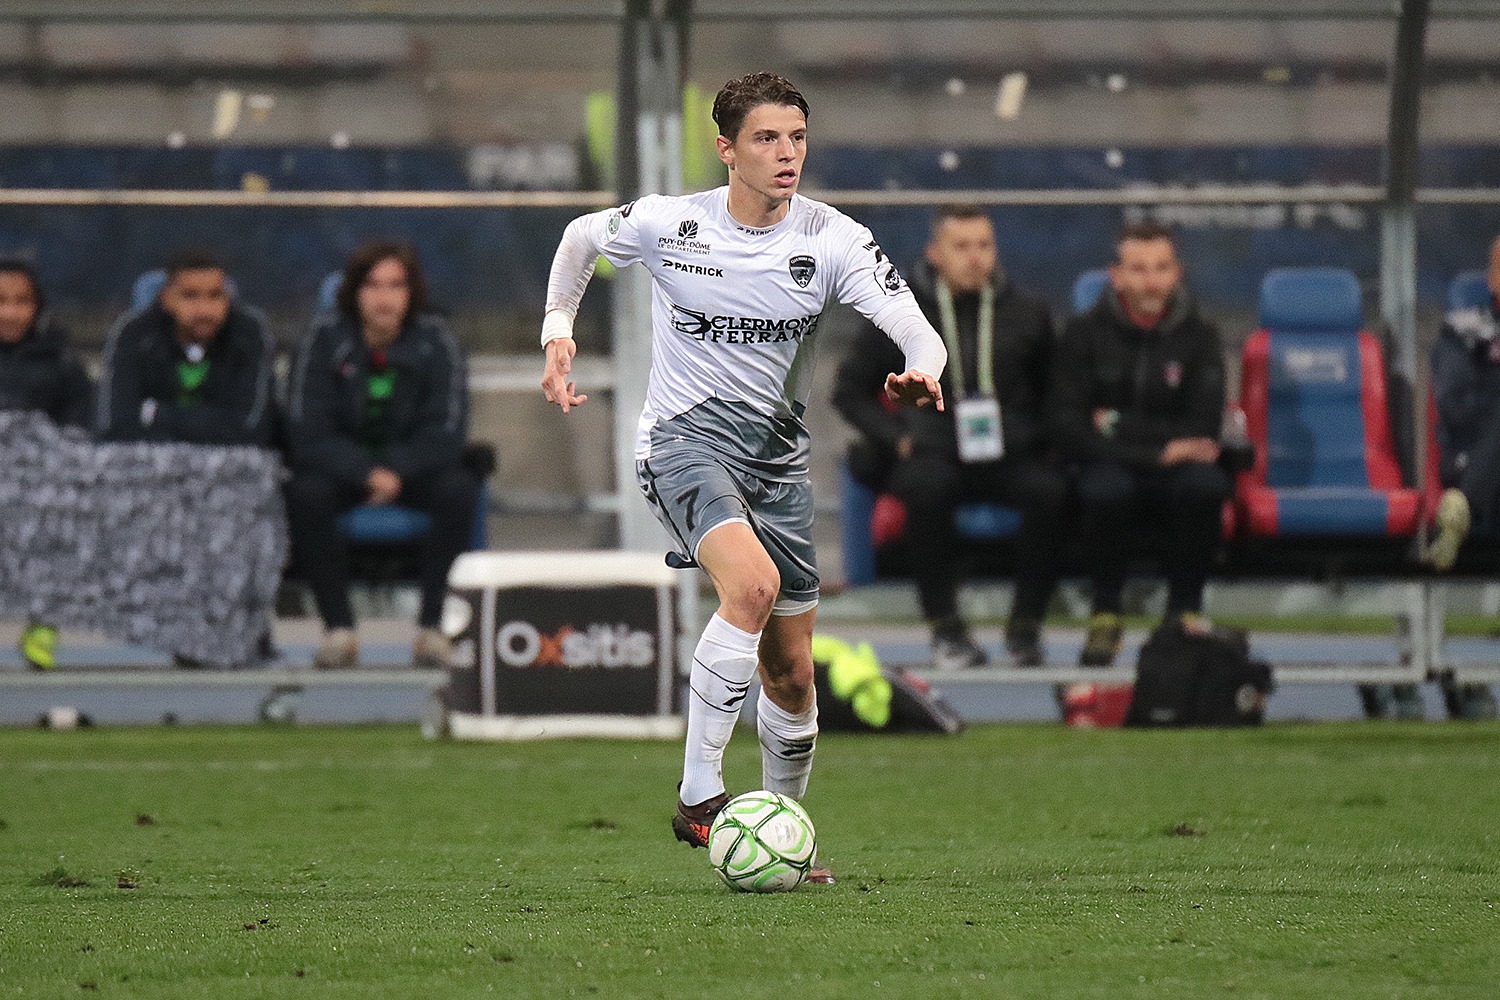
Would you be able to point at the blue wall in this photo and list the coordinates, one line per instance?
(497, 259)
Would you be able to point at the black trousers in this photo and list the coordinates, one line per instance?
(1180, 502)
(1480, 478)
(314, 504)
(933, 484)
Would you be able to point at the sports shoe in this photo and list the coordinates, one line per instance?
(38, 645)
(1469, 702)
(338, 650)
(691, 823)
(1102, 644)
(431, 650)
(1453, 523)
(1023, 640)
(953, 649)
(819, 875)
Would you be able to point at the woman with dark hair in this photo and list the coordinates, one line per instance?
(38, 371)
(40, 374)
(378, 413)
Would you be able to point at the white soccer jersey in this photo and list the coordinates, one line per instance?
(734, 310)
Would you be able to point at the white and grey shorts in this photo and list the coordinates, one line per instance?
(692, 493)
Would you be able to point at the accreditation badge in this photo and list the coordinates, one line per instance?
(979, 435)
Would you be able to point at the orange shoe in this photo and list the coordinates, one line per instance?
(691, 823)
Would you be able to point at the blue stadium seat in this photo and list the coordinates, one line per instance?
(1469, 290)
(328, 291)
(1313, 387)
(1087, 287)
(146, 288)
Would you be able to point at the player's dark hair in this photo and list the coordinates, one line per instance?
(194, 259)
(958, 210)
(737, 98)
(14, 265)
(1145, 231)
(363, 260)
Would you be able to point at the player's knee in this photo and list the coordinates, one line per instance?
(751, 596)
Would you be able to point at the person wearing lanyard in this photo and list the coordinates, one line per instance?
(1137, 400)
(990, 444)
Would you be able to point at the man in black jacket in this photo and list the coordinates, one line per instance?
(378, 412)
(999, 343)
(1137, 400)
(38, 372)
(192, 367)
(1466, 390)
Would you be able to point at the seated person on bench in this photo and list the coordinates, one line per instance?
(1137, 399)
(999, 342)
(378, 412)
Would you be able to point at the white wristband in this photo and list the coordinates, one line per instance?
(556, 325)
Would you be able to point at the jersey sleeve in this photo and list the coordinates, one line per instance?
(615, 233)
(868, 281)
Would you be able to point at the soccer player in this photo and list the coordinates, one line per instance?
(741, 275)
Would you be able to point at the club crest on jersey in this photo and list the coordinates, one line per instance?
(803, 268)
(687, 229)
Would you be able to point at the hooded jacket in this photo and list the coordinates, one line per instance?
(139, 386)
(1023, 350)
(427, 414)
(1166, 383)
(40, 372)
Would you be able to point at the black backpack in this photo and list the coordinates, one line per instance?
(1198, 679)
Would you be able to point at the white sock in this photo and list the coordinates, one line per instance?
(723, 666)
(787, 744)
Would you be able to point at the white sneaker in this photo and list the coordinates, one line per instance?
(338, 650)
(1453, 527)
(957, 653)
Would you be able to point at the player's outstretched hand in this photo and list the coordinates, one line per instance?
(914, 388)
(555, 383)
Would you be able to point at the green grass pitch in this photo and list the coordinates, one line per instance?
(1317, 861)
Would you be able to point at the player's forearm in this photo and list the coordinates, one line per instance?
(909, 330)
(572, 267)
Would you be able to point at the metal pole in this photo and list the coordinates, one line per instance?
(649, 154)
(1398, 264)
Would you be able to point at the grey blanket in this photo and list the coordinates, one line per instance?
(173, 546)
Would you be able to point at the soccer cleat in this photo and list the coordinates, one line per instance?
(1453, 523)
(953, 649)
(1469, 702)
(1102, 644)
(1023, 640)
(819, 875)
(338, 650)
(691, 823)
(39, 646)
